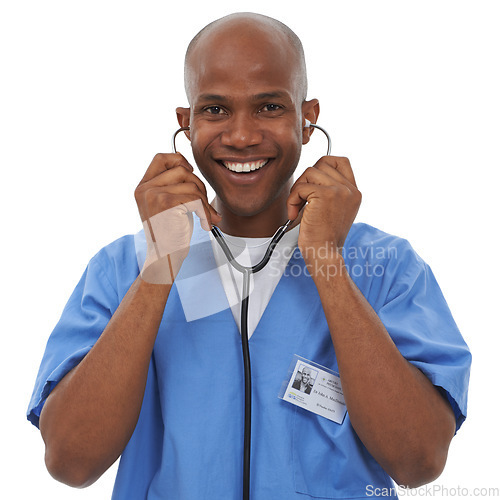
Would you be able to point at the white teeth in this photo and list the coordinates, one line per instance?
(244, 167)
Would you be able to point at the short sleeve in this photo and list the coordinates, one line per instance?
(404, 293)
(84, 318)
(419, 321)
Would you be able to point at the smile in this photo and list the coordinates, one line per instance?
(244, 167)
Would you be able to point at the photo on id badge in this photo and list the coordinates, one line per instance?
(304, 379)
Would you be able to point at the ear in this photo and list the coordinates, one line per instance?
(310, 111)
(183, 117)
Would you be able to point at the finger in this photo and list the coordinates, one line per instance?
(324, 176)
(339, 163)
(158, 199)
(196, 184)
(306, 192)
(169, 178)
(187, 203)
(298, 197)
(165, 161)
(205, 211)
(175, 175)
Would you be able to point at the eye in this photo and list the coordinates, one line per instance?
(271, 107)
(214, 110)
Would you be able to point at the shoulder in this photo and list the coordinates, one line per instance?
(381, 264)
(119, 253)
(118, 262)
(363, 235)
(367, 243)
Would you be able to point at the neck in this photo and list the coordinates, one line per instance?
(260, 225)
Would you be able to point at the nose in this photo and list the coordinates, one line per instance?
(242, 132)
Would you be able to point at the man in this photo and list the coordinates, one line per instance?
(303, 381)
(106, 386)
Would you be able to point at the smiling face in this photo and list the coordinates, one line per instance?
(246, 116)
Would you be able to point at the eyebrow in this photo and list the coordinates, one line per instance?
(212, 97)
(257, 97)
(271, 95)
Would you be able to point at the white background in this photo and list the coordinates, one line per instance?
(408, 90)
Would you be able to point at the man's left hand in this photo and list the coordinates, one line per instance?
(331, 198)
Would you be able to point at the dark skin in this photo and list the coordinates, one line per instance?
(240, 117)
(246, 105)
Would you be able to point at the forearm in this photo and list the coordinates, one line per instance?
(89, 417)
(397, 413)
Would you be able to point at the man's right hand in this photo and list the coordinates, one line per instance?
(90, 415)
(166, 197)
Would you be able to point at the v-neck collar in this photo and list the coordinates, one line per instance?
(202, 294)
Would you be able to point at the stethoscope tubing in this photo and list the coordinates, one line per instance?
(247, 271)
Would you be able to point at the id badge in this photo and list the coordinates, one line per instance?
(314, 388)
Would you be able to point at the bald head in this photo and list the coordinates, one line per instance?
(245, 28)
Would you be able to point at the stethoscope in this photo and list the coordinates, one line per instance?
(247, 271)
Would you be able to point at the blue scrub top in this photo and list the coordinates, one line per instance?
(188, 441)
